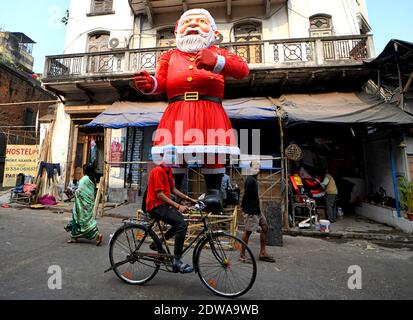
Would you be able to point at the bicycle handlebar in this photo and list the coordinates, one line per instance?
(200, 206)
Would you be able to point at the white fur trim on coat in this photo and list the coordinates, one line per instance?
(155, 87)
(232, 150)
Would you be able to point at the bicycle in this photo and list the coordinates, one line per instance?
(216, 255)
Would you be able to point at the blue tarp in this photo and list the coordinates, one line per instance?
(328, 108)
(145, 114)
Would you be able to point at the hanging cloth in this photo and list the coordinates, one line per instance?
(93, 150)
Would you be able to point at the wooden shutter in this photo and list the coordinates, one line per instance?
(246, 33)
(102, 6)
(166, 38)
(108, 5)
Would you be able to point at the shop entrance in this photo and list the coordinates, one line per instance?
(337, 150)
(87, 148)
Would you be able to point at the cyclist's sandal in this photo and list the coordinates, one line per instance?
(183, 268)
(245, 260)
(267, 259)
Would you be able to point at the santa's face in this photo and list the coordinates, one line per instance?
(194, 33)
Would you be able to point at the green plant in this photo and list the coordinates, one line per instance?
(406, 194)
(65, 19)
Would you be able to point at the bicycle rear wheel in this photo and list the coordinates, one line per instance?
(134, 268)
(220, 268)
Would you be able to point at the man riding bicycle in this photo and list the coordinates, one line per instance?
(161, 207)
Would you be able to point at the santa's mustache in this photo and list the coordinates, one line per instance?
(196, 29)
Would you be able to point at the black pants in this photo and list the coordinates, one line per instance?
(174, 218)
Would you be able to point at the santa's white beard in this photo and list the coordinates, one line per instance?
(194, 42)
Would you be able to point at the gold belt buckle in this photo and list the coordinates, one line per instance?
(191, 96)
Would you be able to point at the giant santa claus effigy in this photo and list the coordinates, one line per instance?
(195, 124)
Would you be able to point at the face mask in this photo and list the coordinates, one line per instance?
(170, 157)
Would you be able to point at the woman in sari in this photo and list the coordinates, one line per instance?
(83, 224)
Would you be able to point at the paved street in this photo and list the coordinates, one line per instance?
(306, 268)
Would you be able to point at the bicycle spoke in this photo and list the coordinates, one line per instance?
(230, 277)
(140, 268)
(124, 246)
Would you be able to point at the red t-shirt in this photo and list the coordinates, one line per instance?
(160, 179)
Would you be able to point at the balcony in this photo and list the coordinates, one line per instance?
(307, 57)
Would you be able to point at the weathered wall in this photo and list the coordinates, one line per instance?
(16, 86)
(119, 24)
(343, 12)
(379, 165)
(291, 21)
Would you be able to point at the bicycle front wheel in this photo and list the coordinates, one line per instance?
(221, 267)
(131, 267)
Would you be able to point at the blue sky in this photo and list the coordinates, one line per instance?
(40, 20)
(390, 20)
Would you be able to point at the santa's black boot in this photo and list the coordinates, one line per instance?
(213, 198)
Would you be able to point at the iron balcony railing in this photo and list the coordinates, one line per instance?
(288, 53)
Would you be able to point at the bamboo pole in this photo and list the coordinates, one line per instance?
(106, 168)
(408, 84)
(27, 102)
(73, 155)
(399, 73)
(278, 112)
(97, 199)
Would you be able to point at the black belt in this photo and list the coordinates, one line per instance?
(194, 96)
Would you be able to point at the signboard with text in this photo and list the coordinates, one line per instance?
(19, 159)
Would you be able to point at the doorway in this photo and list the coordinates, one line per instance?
(87, 148)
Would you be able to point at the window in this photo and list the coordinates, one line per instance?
(166, 38)
(321, 25)
(99, 42)
(28, 117)
(247, 32)
(101, 7)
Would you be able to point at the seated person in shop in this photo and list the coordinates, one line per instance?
(311, 183)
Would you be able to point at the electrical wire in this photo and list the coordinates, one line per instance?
(93, 30)
(343, 4)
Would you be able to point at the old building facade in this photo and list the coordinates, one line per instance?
(16, 48)
(301, 47)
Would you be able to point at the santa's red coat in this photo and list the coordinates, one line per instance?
(176, 74)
